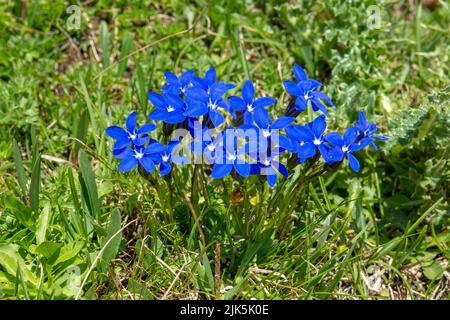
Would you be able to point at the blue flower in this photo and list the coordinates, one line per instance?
(166, 156)
(248, 103)
(306, 90)
(142, 156)
(270, 131)
(206, 98)
(175, 85)
(228, 156)
(309, 139)
(367, 130)
(346, 146)
(169, 108)
(209, 81)
(130, 135)
(268, 165)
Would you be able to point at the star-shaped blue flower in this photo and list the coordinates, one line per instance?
(229, 155)
(268, 165)
(129, 135)
(169, 108)
(247, 104)
(309, 139)
(367, 130)
(346, 146)
(142, 156)
(306, 90)
(175, 85)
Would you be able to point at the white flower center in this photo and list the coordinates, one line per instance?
(211, 147)
(307, 96)
(133, 136)
(344, 148)
(139, 155)
(266, 133)
(302, 143)
(266, 162)
(212, 105)
(250, 108)
(170, 109)
(317, 141)
(165, 157)
(231, 156)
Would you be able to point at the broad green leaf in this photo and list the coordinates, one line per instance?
(10, 260)
(69, 251)
(48, 248)
(42, 223)
(433, 271)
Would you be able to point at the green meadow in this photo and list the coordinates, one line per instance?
(73, 227)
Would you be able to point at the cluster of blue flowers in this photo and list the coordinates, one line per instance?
(254, 145)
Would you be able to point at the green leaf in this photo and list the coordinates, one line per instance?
(112, 248)
(87, 179)
(11, 260)
(20, 170)
(42, 224)
(35, 184)
(433, 271)
(125, 49)
(48, 248)
(69, 251)
(104, 42)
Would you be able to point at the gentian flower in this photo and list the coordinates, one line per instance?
(206, 98)
(306, 90)
(268, 165)
(169, 108)
(175, 85)
(248, 103)
(346, 146)
(166, 156)
(367, 130)
(142, 156)
(209, 81)
(271, 130)
(129, 135)
(230, 156)
(309, 139)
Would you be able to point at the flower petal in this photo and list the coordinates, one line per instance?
(318, 126)
(299, 73)
(116, 132)
(292, 88)
(248, 92)
(335, 139)
(262, 118)
(306, 150)
(147, 164)
(131, 122)
(221, 170)
(354, 163)
(243, 169)
(146, 128)
(128, 163)
(263, 102)
(157, 100)
(282, 122)
(216, 118)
